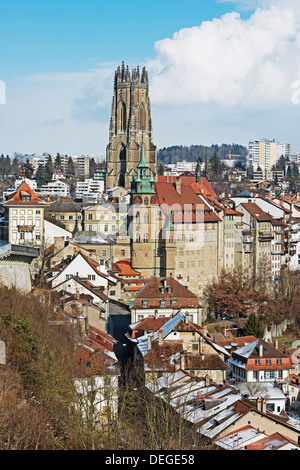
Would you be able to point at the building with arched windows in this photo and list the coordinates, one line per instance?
(130, 124)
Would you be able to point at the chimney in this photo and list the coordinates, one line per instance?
(59, 244)
(258, 404)
(160, 337)
(182, 361)
(276, 344)
(82, 322)
(261, 348)
(155, 314)
(149, 342)
(261, 405)
(178, 185)
(206, 381)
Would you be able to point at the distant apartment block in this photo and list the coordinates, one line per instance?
(81, 163)
(90, 188)
(266, 153)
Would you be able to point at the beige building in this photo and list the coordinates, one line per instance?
(162, 297)
(257, 240)
(68, 213)
(23, 222)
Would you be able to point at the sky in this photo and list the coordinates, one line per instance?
(220, 71)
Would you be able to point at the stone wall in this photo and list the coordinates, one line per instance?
(15, 274)
(274, 330)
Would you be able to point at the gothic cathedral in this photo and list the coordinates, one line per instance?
(130, 125)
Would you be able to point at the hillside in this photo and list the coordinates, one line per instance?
(178, 153)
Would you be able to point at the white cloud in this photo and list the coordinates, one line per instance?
(57, 112)
(229, 61)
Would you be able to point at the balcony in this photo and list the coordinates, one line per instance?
(25, 228)
(265, 235)
(247, 237)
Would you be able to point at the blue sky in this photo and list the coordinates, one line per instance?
(41, 36)
(219, 71)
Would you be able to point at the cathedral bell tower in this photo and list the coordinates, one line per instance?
(130, 125)
(143, 228)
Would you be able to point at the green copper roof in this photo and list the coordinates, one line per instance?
(143, 184)
(142, 163)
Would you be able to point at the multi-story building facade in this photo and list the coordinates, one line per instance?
(90, 189)
(81, 163)
(163, 297)
(265, 153)
(260, 362)
(55, 188)
(294, 245)
(259, 234)
(68, 213)
(23, 218)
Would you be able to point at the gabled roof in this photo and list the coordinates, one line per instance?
(86, 285)
(23, 193)
(166, 329)
(256, 212)
(166, 195)
(273, 442)
(260, 355)
(157, 289)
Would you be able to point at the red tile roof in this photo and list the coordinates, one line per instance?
(154, 291)
(169, 199)
(257, 212)
(24, 191)
(126, 269)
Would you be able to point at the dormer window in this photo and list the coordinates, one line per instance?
(162, 302)
(25, 196)
(145, 302)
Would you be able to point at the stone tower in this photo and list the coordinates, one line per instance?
(130, 124)
(142, 221)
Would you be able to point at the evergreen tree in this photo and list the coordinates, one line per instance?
(57, 162)
(70, 171)
(160, 169)
(253, 327)
(48, 170)
(15, 166)
(295, 170)
(40, 175)
(215, 166)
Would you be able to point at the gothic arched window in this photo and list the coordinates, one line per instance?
(142, 117)
(137, 218)
(123, 117)
(122, 153)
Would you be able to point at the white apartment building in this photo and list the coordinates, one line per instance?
(294, 246)
(265, 153)
(55, 188)
(81, 163)
(186, 166)
(90, 188)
